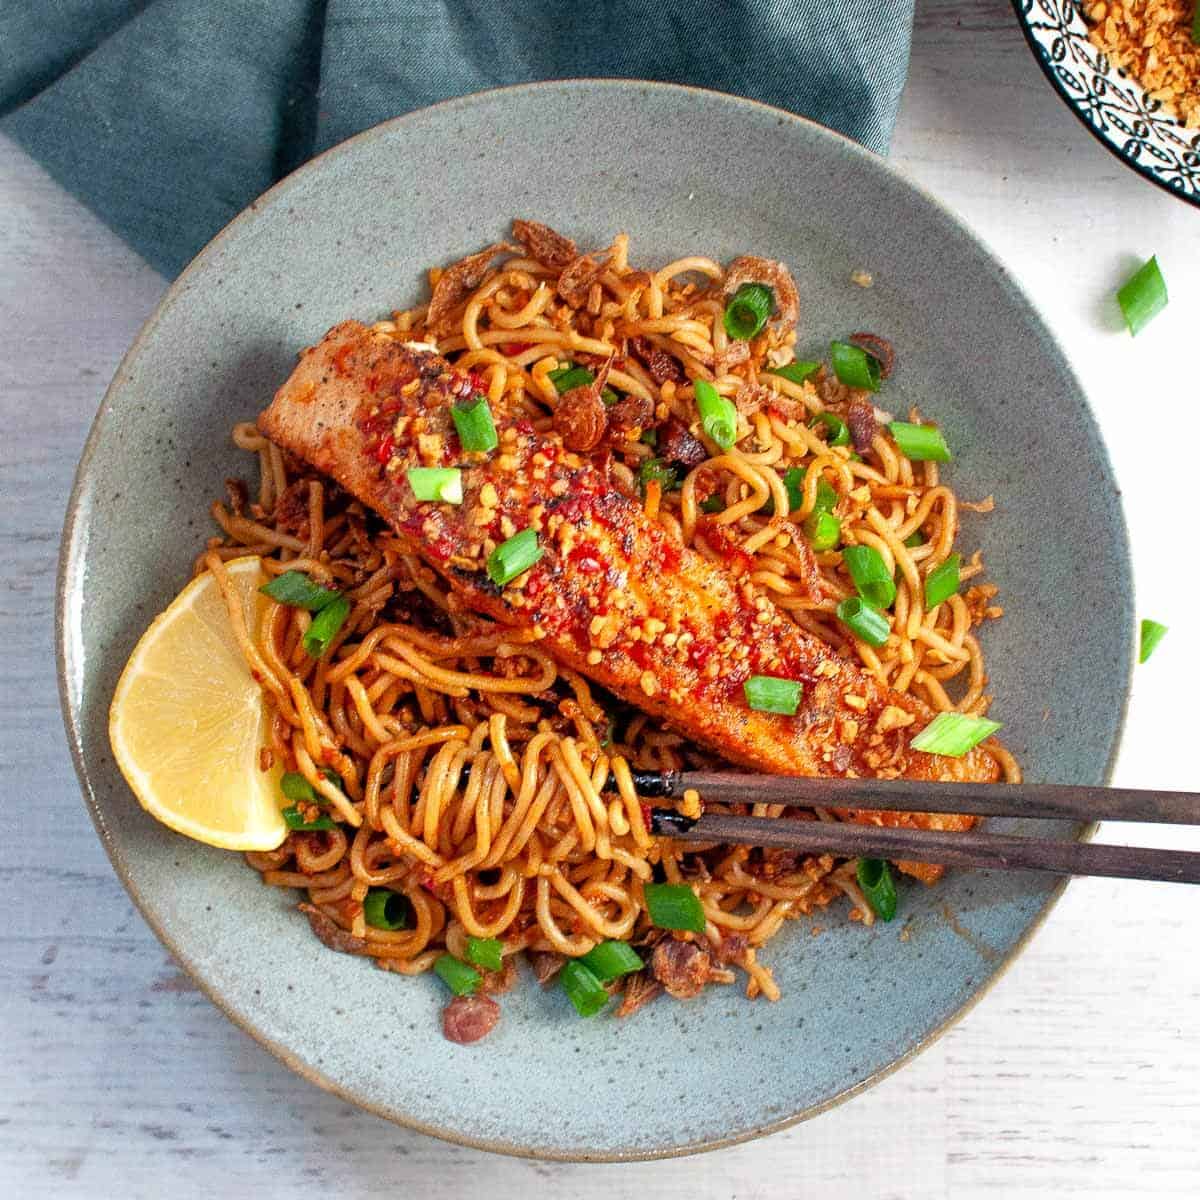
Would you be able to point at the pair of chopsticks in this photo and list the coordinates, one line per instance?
(971, 849)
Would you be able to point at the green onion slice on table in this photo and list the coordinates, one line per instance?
(1143, 296)
(1151, 634)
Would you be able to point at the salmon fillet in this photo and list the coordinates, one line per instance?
(615, 596)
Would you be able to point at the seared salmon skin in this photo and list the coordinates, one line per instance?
(615, 594)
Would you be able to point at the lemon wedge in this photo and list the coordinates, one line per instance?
(187, 720)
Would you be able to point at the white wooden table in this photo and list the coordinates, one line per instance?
(1079, 1075)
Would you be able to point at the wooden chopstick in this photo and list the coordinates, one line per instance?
(972, 849)
(1045, 800)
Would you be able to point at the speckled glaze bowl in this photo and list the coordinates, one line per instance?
(352, 234)
(1109, 102)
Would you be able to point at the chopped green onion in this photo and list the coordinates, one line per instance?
(870, 575)
(510, 558)
(793, 480)
(657, 469)
(875, 879)
(610, 960)
(854, 366)
(717, 414)
(823, 530)
(385, 909)
(570, 376)
(942, 582)
(458, 976)
(1152, 634)
(1196, 26)
(573, 376)
(827, 498)
(712, 504)
(325, 626)
(650, 438)
(295, 588)
(863, 621)
(952, 734)
(766, 693)
(1143, 296)
(436, 483)
(839, 431)
(794, 372)
(487, 953)
(295, 787)
(476, 429)
(674, 906)
(747, 312)
(583, 989)
(916, 538)
(293, 819)
(920, 443)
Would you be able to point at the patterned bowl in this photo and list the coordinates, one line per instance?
(1109, 102)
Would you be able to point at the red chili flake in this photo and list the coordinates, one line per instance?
(512, 348)
(647, 814)
(478, 383)
(584, 557)
(383, 452)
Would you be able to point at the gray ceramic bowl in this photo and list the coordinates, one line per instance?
(352, 233)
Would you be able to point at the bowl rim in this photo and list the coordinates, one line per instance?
(70, 545)
(1144, 171)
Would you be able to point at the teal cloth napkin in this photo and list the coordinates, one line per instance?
(167, 117)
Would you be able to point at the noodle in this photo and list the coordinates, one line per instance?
(465, 769)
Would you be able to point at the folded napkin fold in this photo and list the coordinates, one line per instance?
(167, 117)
